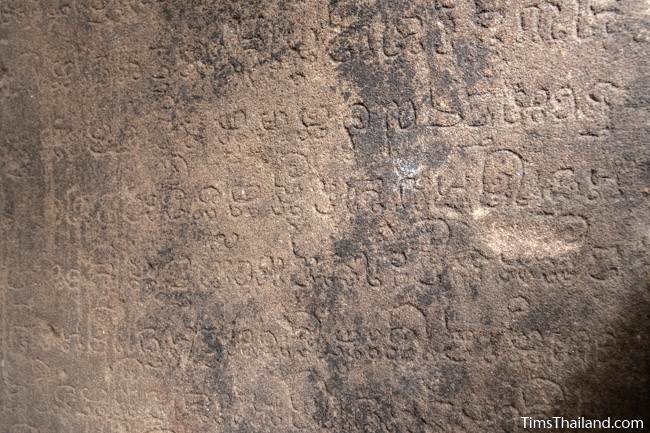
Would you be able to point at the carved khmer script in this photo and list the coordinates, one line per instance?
(323, 216)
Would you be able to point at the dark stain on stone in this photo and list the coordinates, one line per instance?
(472, 61)
(345, 248)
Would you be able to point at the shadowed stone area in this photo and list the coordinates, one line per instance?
(284, 216)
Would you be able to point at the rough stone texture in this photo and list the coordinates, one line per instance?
(310, 216)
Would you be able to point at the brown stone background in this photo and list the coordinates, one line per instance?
(311, 216)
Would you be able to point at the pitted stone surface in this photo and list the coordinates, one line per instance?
(308, 216)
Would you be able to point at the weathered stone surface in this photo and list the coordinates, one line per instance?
(309, 216)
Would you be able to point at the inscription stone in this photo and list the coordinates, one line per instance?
(307, 216)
